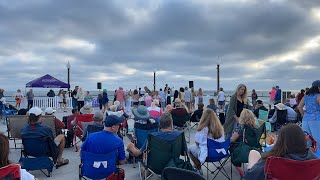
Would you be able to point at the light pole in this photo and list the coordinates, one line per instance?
(68, 67)
(154, 80)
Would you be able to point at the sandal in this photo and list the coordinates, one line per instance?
(64, 162)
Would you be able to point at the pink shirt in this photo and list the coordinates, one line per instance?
(155, 111)
(148, 101)
(273, 94)
(120, 95)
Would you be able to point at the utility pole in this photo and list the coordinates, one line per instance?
(154, 80)
(218, 77)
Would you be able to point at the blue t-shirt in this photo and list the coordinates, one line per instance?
(104, 142)
(165, 136)
(36, 130)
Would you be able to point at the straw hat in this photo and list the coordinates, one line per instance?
(280, 106)
(86, 109)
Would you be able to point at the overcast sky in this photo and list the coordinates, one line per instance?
(260, 43)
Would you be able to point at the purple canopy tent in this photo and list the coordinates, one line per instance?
(47, 81)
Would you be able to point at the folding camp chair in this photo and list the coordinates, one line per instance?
(251, 141)
(14, 125)
(263, 115)
(282, 168)
(37, 153)
(171, 173)
(159, 153)
(217, 152)
(182, 124)
(97, 166)
(10, 172)
(82, 121)
(4, 113)
(282, 119)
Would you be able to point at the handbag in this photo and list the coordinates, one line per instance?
(118, 175)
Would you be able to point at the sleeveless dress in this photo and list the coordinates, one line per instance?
(312, 108)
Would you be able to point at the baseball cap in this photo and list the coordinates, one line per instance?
(35, 111)
(316, 83)
(49, 110)
(113, 120)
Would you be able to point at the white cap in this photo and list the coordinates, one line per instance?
(49, 110)
(36, 111)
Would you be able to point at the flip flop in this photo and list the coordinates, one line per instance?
(64, 162)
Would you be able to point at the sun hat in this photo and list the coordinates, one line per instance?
(280, 106)
(113, 120)
(35, 111)
(316, 83)
(49, 110)
(141, 113)
(98, 116)
(177, 101)
(86, 109)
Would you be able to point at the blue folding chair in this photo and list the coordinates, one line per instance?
(218, 152)
(4, 113)
(97, 166)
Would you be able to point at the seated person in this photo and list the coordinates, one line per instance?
(292, 115)
(246, 118)
(4, 158)
(291, 143)
(22, 111)
(142, 119)
(196, 115)
(59, 124)
(95, 127)
(72, 118)
(212, 105)
(119, 108)
(155, 110)
(106, 140)
(36, 130)
(168, 108)
(7, 106)
(259, 105)
(180, 111)
(166, 133)
(209, 128)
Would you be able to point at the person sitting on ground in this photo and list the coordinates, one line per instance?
(168, 108)
(196, 115)
(95, 127)
(291, 114)
(142, 119)
(246, 118)
(259, 106)
(180, 111)
(36, 130)
(155, 110)
(209, 128)
(166, 134)
(291, 144)
(212, 105)
(4, 158)
(59, 124)
(106, 141)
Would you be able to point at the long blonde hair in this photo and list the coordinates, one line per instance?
(209, 119)
(244, 96)
(247, 117)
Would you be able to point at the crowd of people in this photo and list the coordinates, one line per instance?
(155, 111)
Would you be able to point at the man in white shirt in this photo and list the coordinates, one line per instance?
(221, 99)
(163, 98)
(187, 97)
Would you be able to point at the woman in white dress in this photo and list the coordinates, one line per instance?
(209, 128)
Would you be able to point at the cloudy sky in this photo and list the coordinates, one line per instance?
(257, 42)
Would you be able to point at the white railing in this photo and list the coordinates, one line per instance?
(44, 102)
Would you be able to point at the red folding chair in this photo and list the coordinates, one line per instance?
(277, 168)
(11, 171)
(82, 121)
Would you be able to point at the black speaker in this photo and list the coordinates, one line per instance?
(190, 84)
(99, 85)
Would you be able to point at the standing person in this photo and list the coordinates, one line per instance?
(236, 105)
(73, 95)
(80, 98)
(300, 96)
(187, 97)
(135, 97)
(60, 96)
(105, 100)
(156, 96)
(193, 99)
(181, 95)
(120, 96)
(272, 94)
(18, 98)
(254, 97)
(209, 128)
(30, 97)
(147, 99)
(221, 99)
(200, 96)
(1, 93)
(51, 95)
(100, 99)
(88, 98)
(277, 97)
(311, 116)
(163, 98)
(168, 95)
